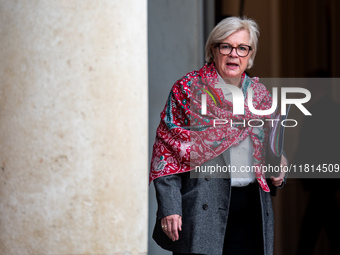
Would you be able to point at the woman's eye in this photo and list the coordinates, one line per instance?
(243, 48)
(225, 47)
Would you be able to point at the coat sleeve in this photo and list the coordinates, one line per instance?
(168, 194)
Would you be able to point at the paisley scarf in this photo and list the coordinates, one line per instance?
(185, 138)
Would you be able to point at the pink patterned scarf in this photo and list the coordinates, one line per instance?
(185, 138)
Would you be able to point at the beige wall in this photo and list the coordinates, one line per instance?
(73, 132)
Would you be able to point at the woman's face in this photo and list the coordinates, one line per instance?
(231, 65)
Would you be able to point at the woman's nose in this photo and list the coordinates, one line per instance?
(233, 53)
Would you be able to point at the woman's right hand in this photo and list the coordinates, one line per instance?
(171, 224)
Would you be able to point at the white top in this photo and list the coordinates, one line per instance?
(240, 155)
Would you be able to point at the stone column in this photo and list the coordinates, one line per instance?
(73, 127)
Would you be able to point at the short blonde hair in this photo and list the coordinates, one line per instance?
(229, 26)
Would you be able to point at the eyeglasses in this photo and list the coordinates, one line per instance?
(226, 49)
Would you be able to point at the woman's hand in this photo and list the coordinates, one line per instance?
(171, 224)
(277, 181)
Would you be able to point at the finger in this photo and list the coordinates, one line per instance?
(174, 230)
(163, 224)
(276, 181)
(168, 229)
(278, 184)
(180, 224)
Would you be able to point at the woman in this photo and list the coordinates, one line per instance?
(229, 214)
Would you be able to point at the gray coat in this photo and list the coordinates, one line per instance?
(203, 203)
